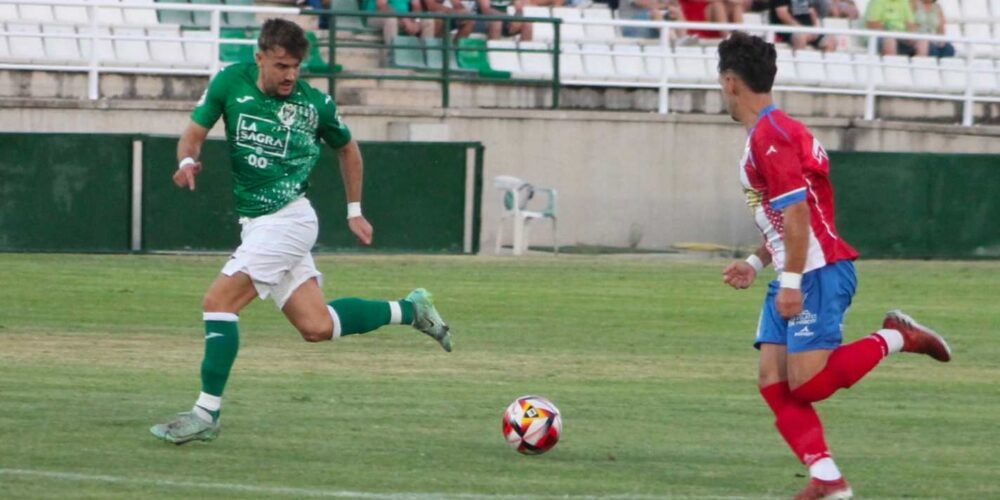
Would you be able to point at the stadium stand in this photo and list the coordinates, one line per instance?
(592, 53)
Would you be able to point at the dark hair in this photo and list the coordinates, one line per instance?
(285, 34)
(751, 58)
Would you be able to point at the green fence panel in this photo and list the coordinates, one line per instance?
(903, 205)
(181, 219)
(414, 196)
(65, 192)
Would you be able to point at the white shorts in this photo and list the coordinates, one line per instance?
(274, 251)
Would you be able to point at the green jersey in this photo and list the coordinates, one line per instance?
(273, 141)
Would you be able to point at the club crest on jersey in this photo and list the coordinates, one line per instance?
(287, 114)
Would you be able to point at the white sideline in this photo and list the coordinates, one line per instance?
(311, 492)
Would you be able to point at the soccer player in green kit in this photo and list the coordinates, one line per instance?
(274, 124)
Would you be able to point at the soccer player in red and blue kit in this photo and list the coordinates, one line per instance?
(785, 176)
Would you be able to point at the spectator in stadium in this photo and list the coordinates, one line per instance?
(799, 13)
(393, 26)
(895, 15)
(649, 10)
(464, 26)
(757, 5)
(836, 8)
(495, 30)
(715, 11)
(930, 20)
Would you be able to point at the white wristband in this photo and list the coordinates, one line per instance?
(755, 262)
(185, 162)
(353, 209)
(790, 280)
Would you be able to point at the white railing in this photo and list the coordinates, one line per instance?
(872, 90)
(95, 66)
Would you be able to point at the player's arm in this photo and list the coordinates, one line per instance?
(352, 172)
(741, 274)
(188, 152)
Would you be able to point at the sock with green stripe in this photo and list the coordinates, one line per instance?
(222, 342)
(352, 315)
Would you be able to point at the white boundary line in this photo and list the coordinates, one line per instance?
(320, 493)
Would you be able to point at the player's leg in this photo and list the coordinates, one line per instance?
(227, 295)
(796, 421)
(317, 320)
(816, 375)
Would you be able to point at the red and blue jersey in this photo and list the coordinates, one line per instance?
(784, 164)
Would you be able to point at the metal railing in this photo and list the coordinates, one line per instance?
(448, 49)
(94, 66)
(871, 91)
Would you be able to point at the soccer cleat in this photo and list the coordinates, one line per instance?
(917, 338)
(427, 319)
(185, 428)
(818, 489)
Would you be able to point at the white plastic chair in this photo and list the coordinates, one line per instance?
(61, 49)
(36, 13)
(598, 66)
(628, 62)
(570, 61)
(570, 32)
(598, 32)
(537, 64)
(541, 32)
(503, 61)
(839, 70)
(516, 195)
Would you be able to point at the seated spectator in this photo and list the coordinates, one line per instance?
(756, 5)
(464, 26)
(799, 13)
(716, 11)
(392, 26)
(648, 10)
(498, 29)
(836, 8)
(930, 20)
(895, 15)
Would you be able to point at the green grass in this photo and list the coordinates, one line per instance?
(648, 358)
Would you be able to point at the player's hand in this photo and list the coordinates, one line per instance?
(739, 274)
(184, 177)
(789, 302)
(361, 228)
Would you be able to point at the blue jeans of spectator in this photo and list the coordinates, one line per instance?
(945, 49)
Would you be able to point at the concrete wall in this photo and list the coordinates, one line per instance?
(671, 178)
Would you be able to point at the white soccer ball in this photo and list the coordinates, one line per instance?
(532, 425)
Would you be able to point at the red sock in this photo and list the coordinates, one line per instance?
(797, 422)
(847, 364)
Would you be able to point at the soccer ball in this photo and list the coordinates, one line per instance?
(532, 425)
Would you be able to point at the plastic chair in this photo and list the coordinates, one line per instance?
(517, 194)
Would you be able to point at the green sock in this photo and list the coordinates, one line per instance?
(362, 316)
(222, 341)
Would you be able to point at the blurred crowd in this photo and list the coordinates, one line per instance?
(913, 16)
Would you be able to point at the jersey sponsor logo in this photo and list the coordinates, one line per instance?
(244, 99)
(804, 332)
(263, 136)
(806, 317)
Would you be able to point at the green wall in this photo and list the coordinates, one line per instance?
(65, 192)
(918, 205)
(73, 193)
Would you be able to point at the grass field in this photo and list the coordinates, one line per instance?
(648, 358)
